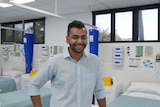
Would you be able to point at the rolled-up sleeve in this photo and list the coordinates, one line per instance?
(39, 79)
(99, 91)
(33, 91)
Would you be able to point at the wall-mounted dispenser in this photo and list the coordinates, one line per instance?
(118, 49)
(118, 62)
(118, 56)
(5, 53)
(44, 53)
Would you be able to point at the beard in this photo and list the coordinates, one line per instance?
(77, 48)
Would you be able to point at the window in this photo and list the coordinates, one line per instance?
(123, 26)
(104, 26)
(28, 26)
(148, 24)
(131, 24)
(9, 36)
(39, 31)
(18, 34)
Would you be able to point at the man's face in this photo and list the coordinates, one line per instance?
(77, 39)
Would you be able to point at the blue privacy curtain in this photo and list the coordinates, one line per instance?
(28, 41)
(93, 45)
(93, 41)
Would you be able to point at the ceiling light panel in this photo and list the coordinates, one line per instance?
(21, 1)
(5, 5)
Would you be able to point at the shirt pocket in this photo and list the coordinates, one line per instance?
(88, 81)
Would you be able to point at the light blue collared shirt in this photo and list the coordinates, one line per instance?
(73, 83)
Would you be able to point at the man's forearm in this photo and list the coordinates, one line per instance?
(36, 100)
(102, 102)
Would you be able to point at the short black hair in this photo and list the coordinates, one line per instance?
(75, 23)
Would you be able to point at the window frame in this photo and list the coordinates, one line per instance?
(135, 16)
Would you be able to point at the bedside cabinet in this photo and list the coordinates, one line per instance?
(113, 91)
(25, 80)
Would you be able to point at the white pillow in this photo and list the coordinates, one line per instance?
(147, 87)
(13, 73)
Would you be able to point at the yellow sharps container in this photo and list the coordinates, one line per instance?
(107, 81)
(33, 72)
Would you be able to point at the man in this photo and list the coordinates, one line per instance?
(74, 75)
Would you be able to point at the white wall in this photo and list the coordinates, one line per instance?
(125, 73)
(56, 30)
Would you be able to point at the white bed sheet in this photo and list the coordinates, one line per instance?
(142, 95)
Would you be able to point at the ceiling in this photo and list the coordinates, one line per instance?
(63, 7)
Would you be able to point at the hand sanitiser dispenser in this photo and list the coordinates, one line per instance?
(44, 53)
(5, 54)
(118, 56)
(28, 41)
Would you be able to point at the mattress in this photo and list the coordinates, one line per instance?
(128, 101)
(20, 98)
(139, 94)
(7, 84)
(16, 75)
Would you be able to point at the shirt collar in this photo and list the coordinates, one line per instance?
(67, 55)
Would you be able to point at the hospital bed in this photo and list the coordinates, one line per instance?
(20, 98)
(10, 81)
(7, 85)
(139, 94)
